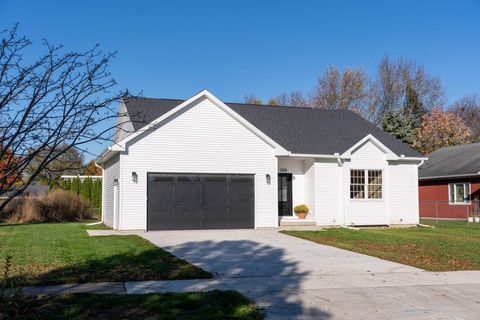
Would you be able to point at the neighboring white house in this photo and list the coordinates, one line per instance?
(205, 164)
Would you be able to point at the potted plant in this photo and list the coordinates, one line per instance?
(301, 211)
(470, 217)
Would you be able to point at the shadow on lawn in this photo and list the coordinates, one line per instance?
(274, 276)
(151, 264)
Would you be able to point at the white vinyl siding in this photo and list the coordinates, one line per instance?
(403, 192)
(310, 187)
(110, 173)
(330, 193)
(200, 139)
(124, 126)
(366, 211)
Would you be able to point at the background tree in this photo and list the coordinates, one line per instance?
(341, 90)
(251, 99)
(97, 194)
(69, 162)
(400, 125)
(87, 188)
(468, 108)
(293, 99)
(92, 170)
(404, 123)
(397, 81)
(76, 185)
(9, 177)
(50, 105)
(441, 129)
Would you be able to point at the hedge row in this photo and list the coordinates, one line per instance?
(89, 189)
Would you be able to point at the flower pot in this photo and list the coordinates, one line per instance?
(470, 219)
(476, 219)
(301, 215)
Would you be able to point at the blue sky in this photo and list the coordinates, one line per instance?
(174, 49)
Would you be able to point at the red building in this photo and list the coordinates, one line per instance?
(449, 183)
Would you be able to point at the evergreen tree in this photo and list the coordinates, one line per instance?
(400, 125)
(97, 194)
(86, 190)
(53, 184)
(68, 185)
(76, 185)
(413, 107)
(64, 184)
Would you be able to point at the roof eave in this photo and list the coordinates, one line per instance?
(451, 176)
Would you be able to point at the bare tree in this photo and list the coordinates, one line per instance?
(251, 99)
(346, 89)
(468, 108)
(60, 101)
(293, 99)
(388, 89)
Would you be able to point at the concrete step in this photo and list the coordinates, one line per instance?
(296, 222)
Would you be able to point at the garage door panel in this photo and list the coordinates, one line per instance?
(162, 187)
(193, 212)
(200, 201)
(188, 223)
(236, 212)
(161, 224)
(215, 212)
(214, 223)
(215, 191)
(241, 189)
(241, 222)
(188, 192)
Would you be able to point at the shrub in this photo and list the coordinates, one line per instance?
(11, 298)
(301, 209)
(58, 205)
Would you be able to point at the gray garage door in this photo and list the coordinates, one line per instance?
(200, 201)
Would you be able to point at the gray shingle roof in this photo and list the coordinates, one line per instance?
(452, 161)
(299, 130)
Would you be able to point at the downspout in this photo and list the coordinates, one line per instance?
(103, 179)
(340, 164)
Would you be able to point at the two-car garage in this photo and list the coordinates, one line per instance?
(183, 201)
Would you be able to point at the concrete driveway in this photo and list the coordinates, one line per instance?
(298, 279)
(265, 253)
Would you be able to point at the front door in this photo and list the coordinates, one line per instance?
(284, 194)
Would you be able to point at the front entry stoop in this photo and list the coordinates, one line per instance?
(297, 224)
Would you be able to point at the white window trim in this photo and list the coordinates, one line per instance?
(366, 198)
(455, 202)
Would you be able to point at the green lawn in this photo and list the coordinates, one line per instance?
(53, 253)
(196, 305)
(452, 245)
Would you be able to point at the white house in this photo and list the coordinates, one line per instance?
(205, 164)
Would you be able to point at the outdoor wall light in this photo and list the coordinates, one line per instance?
(134, 177)
(269, 179)
(115, 182)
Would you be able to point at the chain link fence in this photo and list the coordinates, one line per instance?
(443, 209)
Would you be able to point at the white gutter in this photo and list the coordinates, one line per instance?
(309, 155)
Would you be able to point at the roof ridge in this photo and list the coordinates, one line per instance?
(242, 103)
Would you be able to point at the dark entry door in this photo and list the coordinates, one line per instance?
(285, 194)
(200, 201)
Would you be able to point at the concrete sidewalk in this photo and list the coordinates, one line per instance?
(268, 284)
(422, 295)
